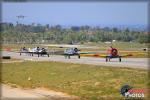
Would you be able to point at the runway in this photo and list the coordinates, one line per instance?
(142, 63)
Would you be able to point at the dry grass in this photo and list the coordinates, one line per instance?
(88, 82)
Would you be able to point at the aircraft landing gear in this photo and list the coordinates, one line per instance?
(65, 57)
(79, 56)
(119, 59)
(106, 59)
(68, 57)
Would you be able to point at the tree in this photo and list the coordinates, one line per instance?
(143, 38)
(75, 28)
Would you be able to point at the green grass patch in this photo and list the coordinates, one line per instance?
(89, 82)
(133, 46)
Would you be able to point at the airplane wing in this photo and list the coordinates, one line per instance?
(126, 55)
(32, 50)
(103, 55)
(94, 55)
(86, 52)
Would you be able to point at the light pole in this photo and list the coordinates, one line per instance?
(20, 17)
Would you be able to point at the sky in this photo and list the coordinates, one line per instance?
(77, 13)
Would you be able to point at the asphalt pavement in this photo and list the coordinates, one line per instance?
(126, 62)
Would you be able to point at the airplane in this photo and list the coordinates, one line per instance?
(71, 52)
(37, 50)
(112, 53)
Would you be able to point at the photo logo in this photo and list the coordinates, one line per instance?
(128, 92)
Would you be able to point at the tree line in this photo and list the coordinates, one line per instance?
(21, 33)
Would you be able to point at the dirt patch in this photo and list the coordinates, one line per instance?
(37, 93)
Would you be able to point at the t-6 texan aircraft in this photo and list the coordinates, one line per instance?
(37, 50)
(71, 52)
(111, 53)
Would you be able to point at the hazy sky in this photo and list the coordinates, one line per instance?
(77, 13)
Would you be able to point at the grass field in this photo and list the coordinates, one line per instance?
(101, 46)
(133, 46)
(88, 82)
